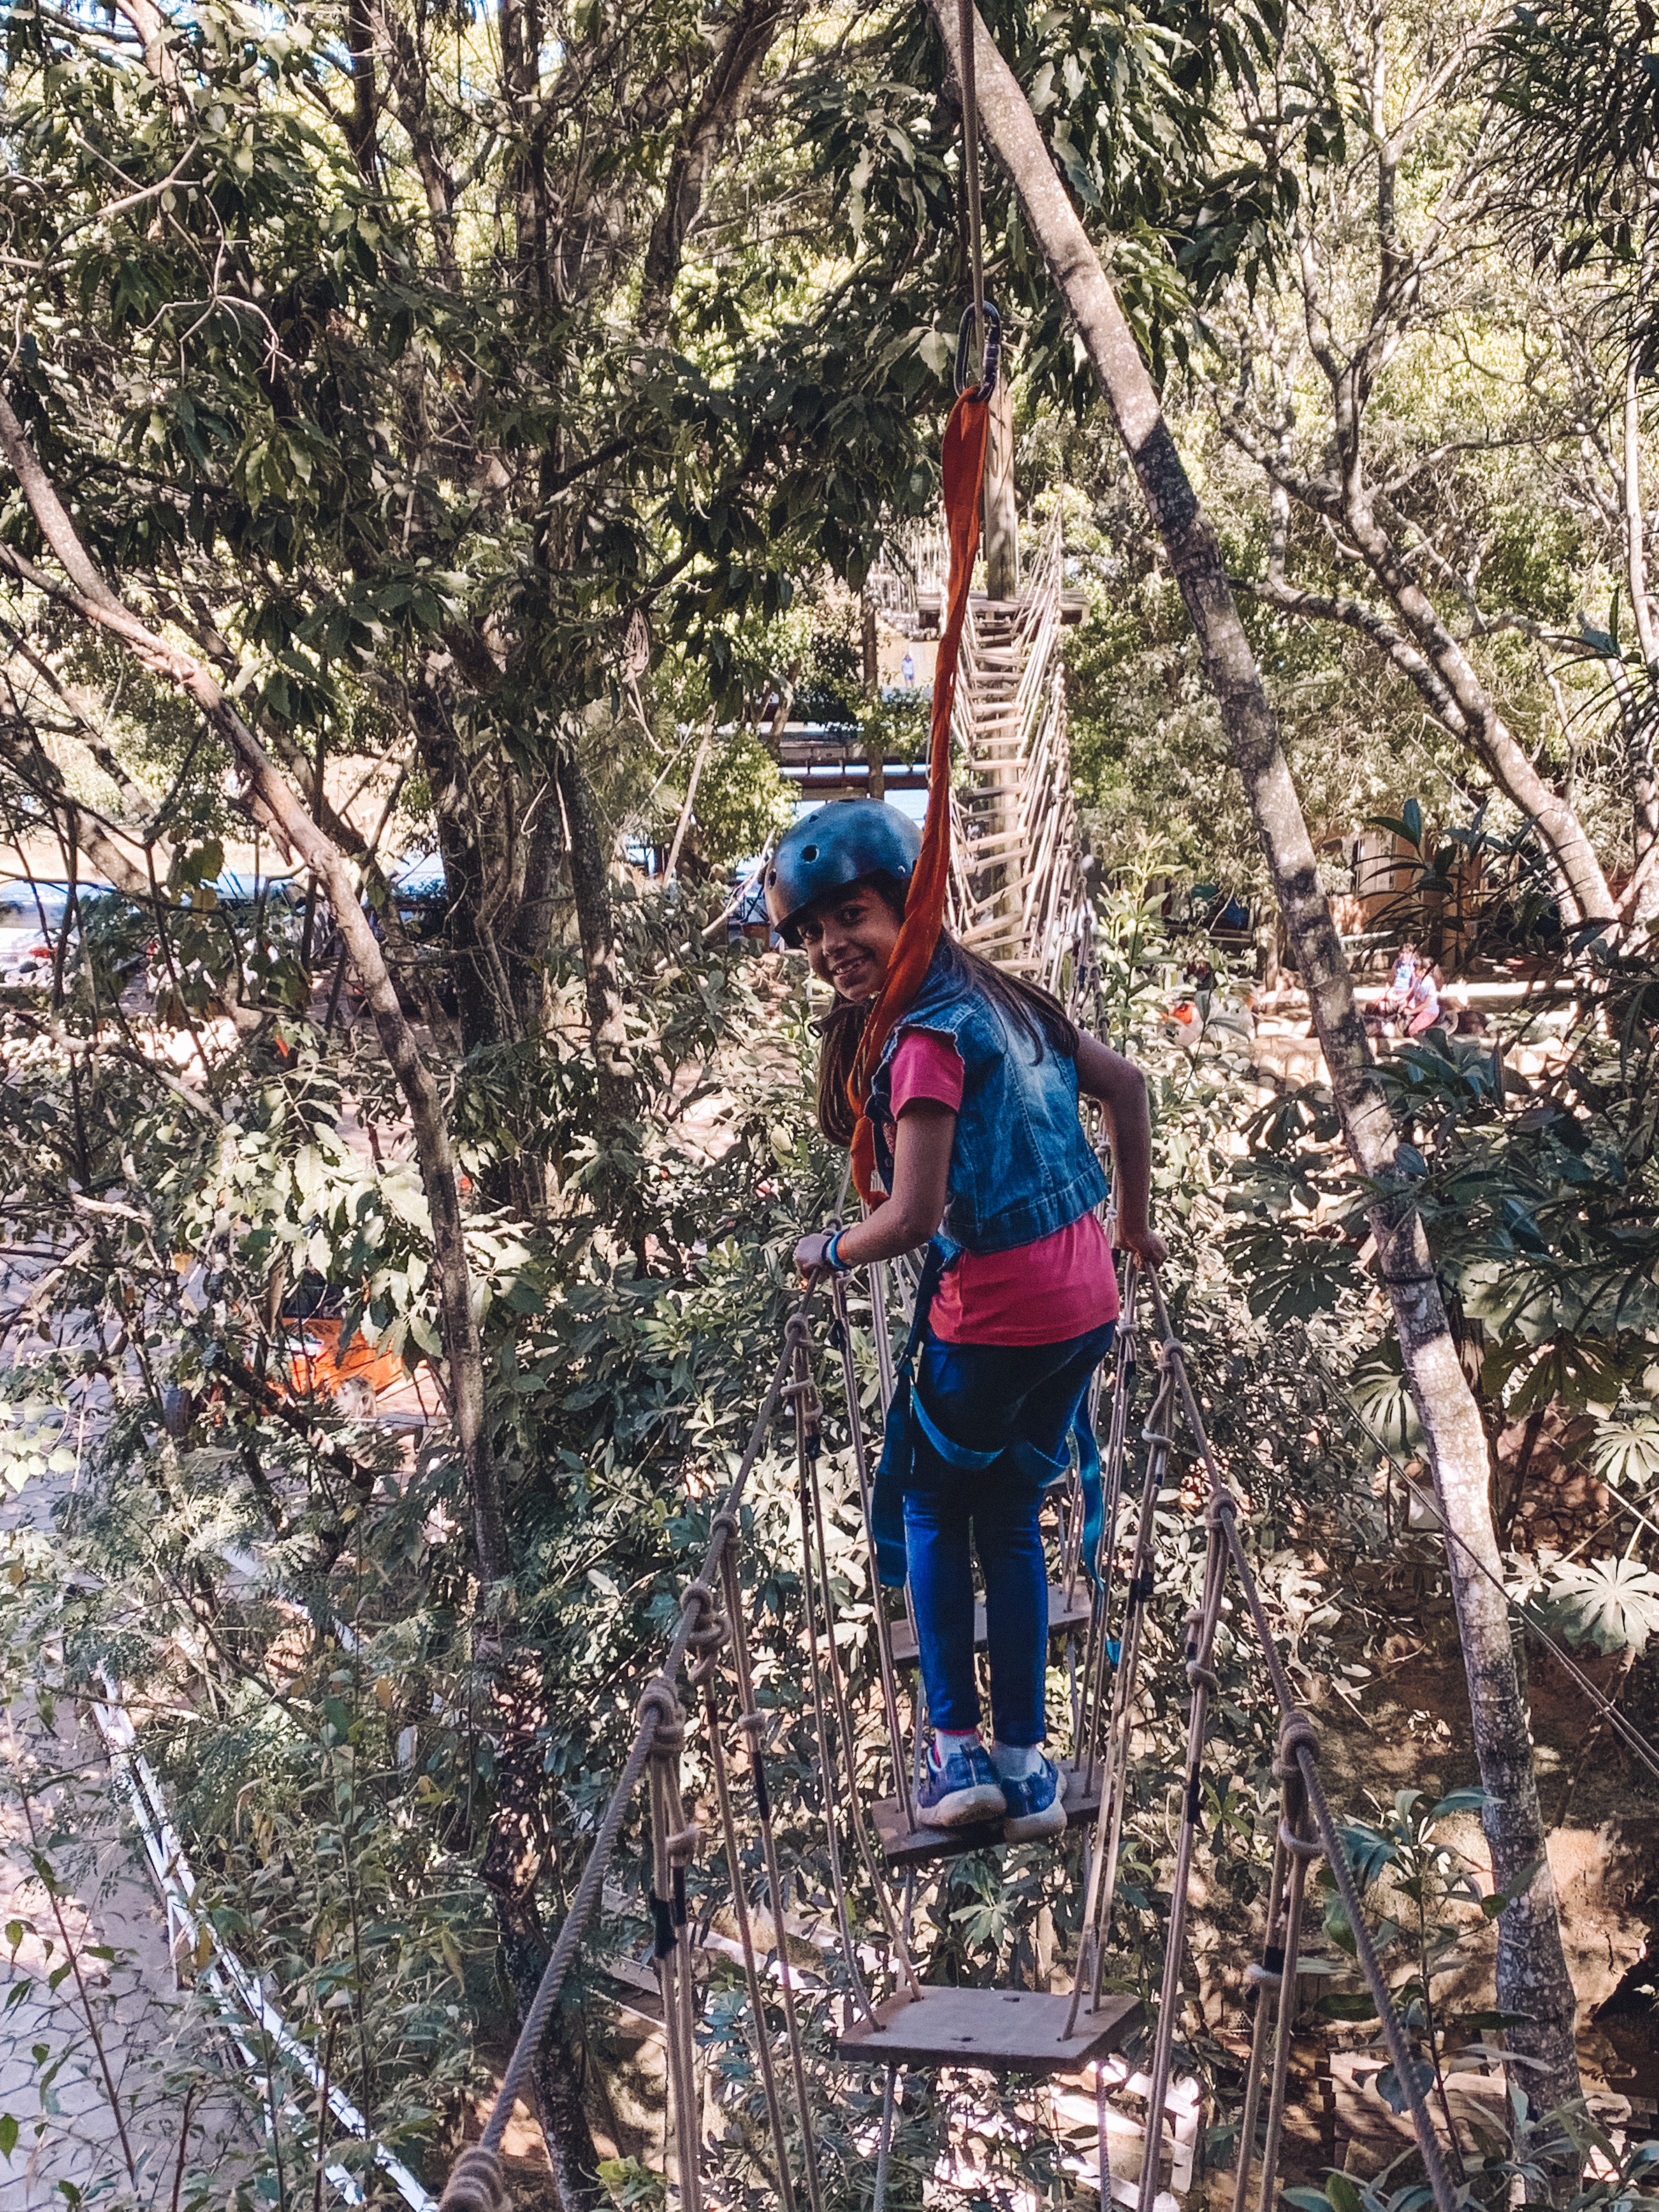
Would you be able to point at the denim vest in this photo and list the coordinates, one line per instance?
(1021, 1167)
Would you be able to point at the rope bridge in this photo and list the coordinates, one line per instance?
(907, 2021)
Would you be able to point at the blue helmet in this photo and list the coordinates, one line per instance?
(840, 844)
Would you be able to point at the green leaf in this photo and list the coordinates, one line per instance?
(1625, 1454)
(1612, 1603)
(8, 2134)
(1346, 2004)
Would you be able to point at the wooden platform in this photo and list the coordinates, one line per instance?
(1064, 1614)
(911, 1846)
(990, 2031)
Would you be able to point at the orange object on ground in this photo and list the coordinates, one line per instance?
(321, 1370)
(923, 911)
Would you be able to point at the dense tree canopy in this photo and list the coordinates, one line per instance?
(468, 433)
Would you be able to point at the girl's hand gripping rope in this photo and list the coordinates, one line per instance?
(1148, 1247)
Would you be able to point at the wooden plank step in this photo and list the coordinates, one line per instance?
(906, 1847)
(1064, 1614)
(990, 2031)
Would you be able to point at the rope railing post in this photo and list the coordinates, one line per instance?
(1199, 1663)
(1277, 1974)
(815, 1555)
(752, 1724)
(1098, 1661)
(1264, 1980)
(704, 1673)
(673, 1844)
(884, 1629)
(659, 1702)
(1222, 1512)
(1101, 1880)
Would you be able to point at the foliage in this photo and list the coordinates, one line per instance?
(1412, 1875)
(1611, 1603)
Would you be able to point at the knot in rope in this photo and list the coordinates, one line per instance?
(1167, 1350)
(1296, 1733)
(697, 1598)
(1300, 1847)
(708, 1641)
(477, 2184)
(1219, 1503)
(725, 1525)
(685, 1843)
(797, 1330)
(1197, 1671)
(661, 1697)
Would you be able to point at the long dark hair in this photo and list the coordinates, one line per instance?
(1034, 1014)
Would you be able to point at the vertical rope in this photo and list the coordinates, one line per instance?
(816, 1600)
(704, 1673)
(1261, 1978)
(752, 1724)
(1125, 1677)
(966, 20)
(843, 1334)
(672, 1843)
(1201, 1673)
(1301, 1849)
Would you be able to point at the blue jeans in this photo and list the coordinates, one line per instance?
(986, 1395)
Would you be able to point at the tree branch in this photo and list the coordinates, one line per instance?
(291, 821)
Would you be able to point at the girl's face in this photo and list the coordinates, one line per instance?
(848, 941)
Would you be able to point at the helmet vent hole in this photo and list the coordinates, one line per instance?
(808, 852)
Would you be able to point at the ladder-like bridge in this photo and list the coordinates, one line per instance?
(1018, 891)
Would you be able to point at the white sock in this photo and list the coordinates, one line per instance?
(946, 1741)
(1015, 1761)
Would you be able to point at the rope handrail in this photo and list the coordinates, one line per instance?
(1299, 1739)
(475, 2179)
(660, 1694)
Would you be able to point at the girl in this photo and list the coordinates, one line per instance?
(973, 1104)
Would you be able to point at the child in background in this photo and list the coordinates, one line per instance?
(1392, 1006)
(975, 1107)
(1423, 1000)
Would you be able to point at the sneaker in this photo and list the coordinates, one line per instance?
(1037, 1805)
(961, 1792)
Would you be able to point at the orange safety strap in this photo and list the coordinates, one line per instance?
(924, 910)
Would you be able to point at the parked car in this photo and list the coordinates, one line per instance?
(31, 917)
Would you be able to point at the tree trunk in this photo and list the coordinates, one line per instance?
(875, 753)
(590, 882)
(1532, 1975)
(1001, 515)
(283, 811)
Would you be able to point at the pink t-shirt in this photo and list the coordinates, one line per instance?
(1044, 1293)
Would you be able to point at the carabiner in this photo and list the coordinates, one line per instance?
(987, 380)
